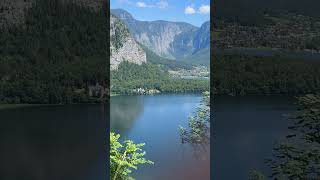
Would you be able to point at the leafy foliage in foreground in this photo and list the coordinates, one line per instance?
(256, 175)
(131, 76)
(125, 157)
(198, 131)
(299, 157)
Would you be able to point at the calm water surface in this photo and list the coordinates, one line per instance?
(64, 142)
(245, 130)
(53, 142)
(155, 121)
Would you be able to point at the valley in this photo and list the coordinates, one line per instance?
(157, 91)
(147, 69)
(171, 40)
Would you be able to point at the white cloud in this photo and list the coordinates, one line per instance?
(162, 4)
(141, 4)
(204, 9)
(189, 10)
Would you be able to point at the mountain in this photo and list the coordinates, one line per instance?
(122, 46)
(201, 44)
(172, 40)
(200, 57)
(164, 62)
(202, 37)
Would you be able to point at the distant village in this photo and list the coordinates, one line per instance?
(284, 31)
(198, 72)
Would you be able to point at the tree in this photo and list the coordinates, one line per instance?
(199, 124)
(299, 156)
(125, 157)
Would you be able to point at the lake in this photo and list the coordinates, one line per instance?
(66, 142)
(154, 120)
(53, 142)
(245, 130)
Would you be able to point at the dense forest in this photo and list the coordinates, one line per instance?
(54, 56)
(241, 75)
(149, 76)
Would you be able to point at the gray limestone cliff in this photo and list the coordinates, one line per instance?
(122, 45)
(173, 40)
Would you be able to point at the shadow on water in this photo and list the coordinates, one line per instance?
(53, 142)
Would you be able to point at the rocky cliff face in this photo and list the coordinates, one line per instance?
(202, 37)
(122, 45)
(174, 40)
(167, 39)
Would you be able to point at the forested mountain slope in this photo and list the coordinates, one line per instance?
(56, 55)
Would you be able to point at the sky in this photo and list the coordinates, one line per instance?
(194, 12)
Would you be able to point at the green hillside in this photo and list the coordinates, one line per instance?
(166, 63)
(199, 58)
(54, 55)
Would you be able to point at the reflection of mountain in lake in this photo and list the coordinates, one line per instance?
(123, 112)
(63, 142)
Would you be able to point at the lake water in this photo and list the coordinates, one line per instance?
(53, 142)
(245, 130)
(154, 120)
(66, 142)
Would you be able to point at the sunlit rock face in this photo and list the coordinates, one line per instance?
(122, 45)
(173, 40)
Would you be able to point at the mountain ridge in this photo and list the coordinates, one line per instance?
(122, 46)
(171, 40)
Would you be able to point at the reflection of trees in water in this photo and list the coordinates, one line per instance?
(124, 110)
(52, 142)
(197, 134)
(299, 156)
(199, 150)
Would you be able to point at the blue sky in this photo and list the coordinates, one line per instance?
(194, 12)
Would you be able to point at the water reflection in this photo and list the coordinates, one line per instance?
(54, 142)
(124, 111)
(245, 130)
(155, 121)
(197, 134)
